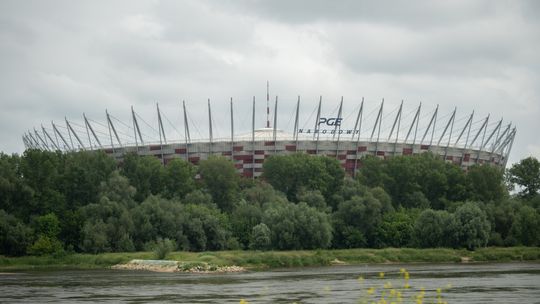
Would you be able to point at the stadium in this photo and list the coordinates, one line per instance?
(347, 135)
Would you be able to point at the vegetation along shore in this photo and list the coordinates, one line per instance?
(85, 210)
(260, 260)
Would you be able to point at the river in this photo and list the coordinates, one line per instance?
(460, 283)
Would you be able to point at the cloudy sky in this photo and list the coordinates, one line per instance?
(63, 58)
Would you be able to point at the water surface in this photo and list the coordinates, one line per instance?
(470, 283)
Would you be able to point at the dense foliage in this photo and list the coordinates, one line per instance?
(52, 203)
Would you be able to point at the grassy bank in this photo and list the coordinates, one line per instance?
(275, 259)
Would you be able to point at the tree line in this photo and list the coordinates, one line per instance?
(53, 203)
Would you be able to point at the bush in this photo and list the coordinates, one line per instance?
(45, 245)
(260, 237)
(163, 247)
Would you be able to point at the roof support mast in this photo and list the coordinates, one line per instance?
(378, 123)
(253, 141)
(61, 137)
(398, 121)
(161, 132)
(210, 133)
(186, 130)
(337, 128)
(317, 126)
(296, 122)
(50, 138)
(358, 124)
(232, 132)
(275, 125)
(89, 126)
(70, 129)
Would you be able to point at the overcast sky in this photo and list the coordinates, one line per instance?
(63, 58)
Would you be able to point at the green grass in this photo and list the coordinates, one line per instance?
(258, 260)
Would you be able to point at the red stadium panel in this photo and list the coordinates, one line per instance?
(311, 151)
(290, 147)
(407, 151)
(449, 158)
(380, 153)
(180, 151)
(108, 151)
(362, 148)
(269, 143)
(351, 152)
(238, 148)
(424, 147)
(259, 152)
(466, 157)
(155, 147)
(226, 153)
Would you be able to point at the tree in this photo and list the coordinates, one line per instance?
(472, 227)
(145, 173)
(485, 183)
(179, 178)
(526, 227)
(297, 226)
(396, 229)
(356, 220)
(291, 173)
(526, 174)
(433, 229)
(243, 218)
(15, 236)
(221, 179)
(260, 238)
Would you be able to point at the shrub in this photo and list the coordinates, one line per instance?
(163, 247)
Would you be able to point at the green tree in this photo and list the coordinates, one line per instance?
(526, 227)
(473, 228)
(526, 174)
(291, 173)
(260, 238)
(297, 226)
(434, 229)
(145, 173)
(179, 178)
(15, 236)
(83, 174)
(396, 229)
(221, 179)
(356, 220)
(244, 217)
(485, 183)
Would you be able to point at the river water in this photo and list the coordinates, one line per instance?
(470, 283)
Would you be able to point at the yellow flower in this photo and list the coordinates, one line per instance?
(406, 275)
(388, 285)
(371, 290)
(402, 270)
(406, 286)
(448, 286)
(360, 279)
(381, 275)
(439, 290)
(392, 292)
(242, 301)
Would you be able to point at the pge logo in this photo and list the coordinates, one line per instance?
(330, 121)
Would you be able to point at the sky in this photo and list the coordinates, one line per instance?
(63, 58)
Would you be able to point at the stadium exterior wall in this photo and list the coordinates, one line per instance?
(248, 156)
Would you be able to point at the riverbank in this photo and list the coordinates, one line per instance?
(257, 260)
